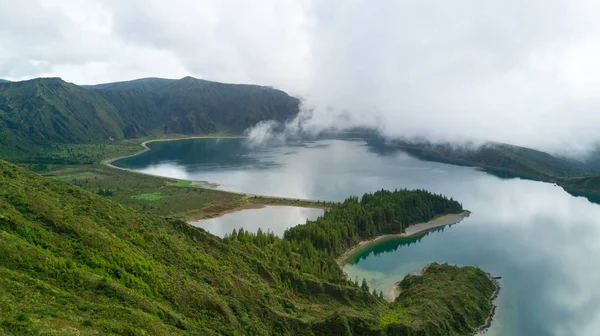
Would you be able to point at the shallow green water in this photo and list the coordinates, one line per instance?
(544, 242)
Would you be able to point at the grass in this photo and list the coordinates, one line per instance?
(80, 175)
(439, 299)
(71, 155)
(166, 196)
(169, 197)
(155, 196)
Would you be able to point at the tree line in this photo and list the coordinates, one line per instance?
(312, 247)
(379, 213)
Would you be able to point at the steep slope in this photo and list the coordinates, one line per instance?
(37, 112)
(72, 262)
(4, 81)
(195, 106)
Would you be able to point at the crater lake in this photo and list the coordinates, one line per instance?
(542, 241)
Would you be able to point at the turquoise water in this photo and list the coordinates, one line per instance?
(544, 242)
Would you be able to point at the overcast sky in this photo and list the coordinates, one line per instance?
(523, 72)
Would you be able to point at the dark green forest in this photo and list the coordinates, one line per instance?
(74, 262)
(383, 212)
(317, 243)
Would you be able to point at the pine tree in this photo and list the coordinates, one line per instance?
(364, 286)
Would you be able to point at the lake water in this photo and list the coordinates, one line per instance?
(544, 242)
(269, 219)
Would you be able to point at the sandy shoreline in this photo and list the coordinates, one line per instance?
(410, 231)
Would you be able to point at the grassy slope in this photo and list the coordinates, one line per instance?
(48, 110)
(164, 196)
(76, 263)
(195, 106)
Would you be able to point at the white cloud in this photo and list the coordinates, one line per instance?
(524, 73)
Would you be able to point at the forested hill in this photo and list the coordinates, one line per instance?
(75, 262)
(43, 111)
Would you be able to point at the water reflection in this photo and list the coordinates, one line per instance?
(544, 242)
(331, 169)
(272, 218)
(391, 245)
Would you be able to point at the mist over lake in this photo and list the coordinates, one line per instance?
(542, 241)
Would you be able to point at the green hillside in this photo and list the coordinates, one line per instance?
(495, 157)
(195, 106)
(438, 302)
(579, 178)
(40, 113)
(75, 263)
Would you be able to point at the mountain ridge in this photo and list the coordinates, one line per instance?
(505, 161)
(42, 111)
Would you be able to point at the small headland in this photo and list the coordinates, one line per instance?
(443, 300)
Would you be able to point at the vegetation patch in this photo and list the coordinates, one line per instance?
(85, 174)
(154, 196)
(345, 224)
(443, 300)
(180, 198)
